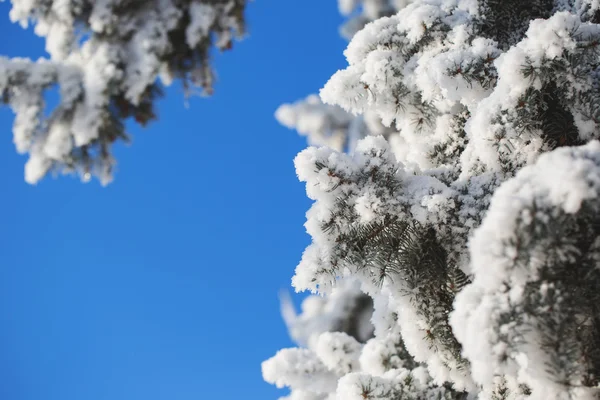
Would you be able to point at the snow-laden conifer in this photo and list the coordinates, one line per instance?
(472, 224)
(105, 57)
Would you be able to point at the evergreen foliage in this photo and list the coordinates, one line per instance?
(105, 58)
(472, 222)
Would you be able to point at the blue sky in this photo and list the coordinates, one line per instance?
(164, 284)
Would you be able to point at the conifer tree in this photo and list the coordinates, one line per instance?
(105, 58)
(473, 224)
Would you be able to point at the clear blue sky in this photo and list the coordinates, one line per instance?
(164, 284)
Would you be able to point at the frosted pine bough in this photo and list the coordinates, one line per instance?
(330, 125)
(474, 227)
(105, 58)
